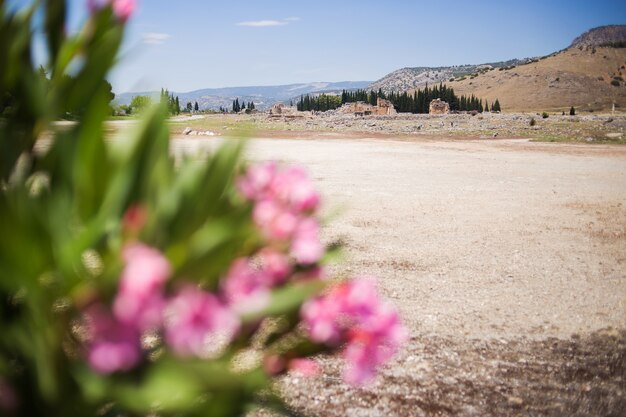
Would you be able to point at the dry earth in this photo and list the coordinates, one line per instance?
(506, 258)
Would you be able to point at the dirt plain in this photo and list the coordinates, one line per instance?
(506, 259)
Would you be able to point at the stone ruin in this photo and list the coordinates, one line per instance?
(385, 107)
(281, 110)
(438, 107)
(360, 108)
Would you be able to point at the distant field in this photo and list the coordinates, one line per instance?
(556, 128)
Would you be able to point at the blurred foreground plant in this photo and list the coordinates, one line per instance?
(131, 286)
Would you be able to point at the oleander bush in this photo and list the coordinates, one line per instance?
(134, 285)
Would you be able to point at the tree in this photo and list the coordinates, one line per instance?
(196, 107)
(188, 106)
(572, 111)
(496, 106)
(140, 103)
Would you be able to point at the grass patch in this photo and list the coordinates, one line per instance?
(131, 117)
(571, 139)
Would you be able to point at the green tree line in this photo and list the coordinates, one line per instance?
(418, 102)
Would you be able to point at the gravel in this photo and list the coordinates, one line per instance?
(506, 259)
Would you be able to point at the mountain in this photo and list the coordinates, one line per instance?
(262, 96)
(601, 36)
(409, 78)
(588, 75)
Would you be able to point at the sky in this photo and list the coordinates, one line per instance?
(195, 44)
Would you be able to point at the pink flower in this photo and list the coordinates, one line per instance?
(254, 185)
(322, 316)
(305, 367)
(198, 324)
(9, 400)
(113, 346)
(135, 218)
(352, 312)
(245, 287)
(290, 187)
(143, 312)
(294, 188)
(275, 266)
(274, 221)
(306, 247)
(123, 9)
(140, 300)
(372, 343)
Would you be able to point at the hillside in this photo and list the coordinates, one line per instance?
(579, 77)
(409, 78)
(589, 74)
(263, 96)
(601, 36)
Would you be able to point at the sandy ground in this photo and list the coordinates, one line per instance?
(507, 260)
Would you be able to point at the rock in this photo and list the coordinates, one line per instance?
(187, 131)
(515, 401)
(615, 135)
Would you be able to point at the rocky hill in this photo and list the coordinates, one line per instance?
(263, 96)
(409, 78)
(601, 36)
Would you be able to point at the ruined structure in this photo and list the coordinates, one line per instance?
(281, 110)
(277, 109)
(360, 108)
(385, 107)
(438, 107)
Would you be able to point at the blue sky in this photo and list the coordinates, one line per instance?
(197, 44)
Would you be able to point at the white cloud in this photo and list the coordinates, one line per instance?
(268, 23)
(155, 38)
(262, 23)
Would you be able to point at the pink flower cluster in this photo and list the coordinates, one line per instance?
(123, 9)
(198, 323)
(352, 313)
(193, 320)
(284, 204)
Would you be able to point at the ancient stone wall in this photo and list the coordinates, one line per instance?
(438, 107)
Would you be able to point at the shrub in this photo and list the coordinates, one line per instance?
(532, 121)
(545, 115)
(572, 111)
(130, 283)
(615, 83)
